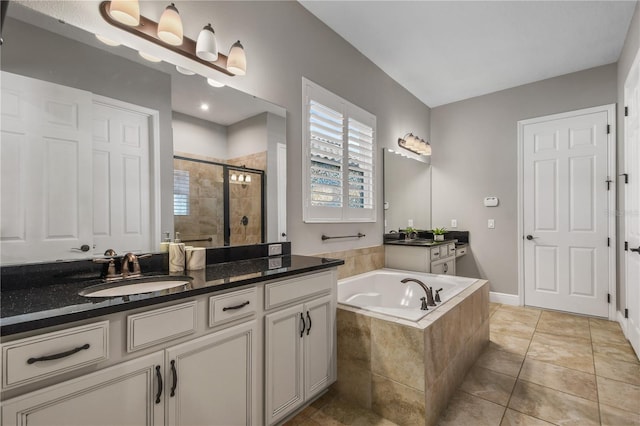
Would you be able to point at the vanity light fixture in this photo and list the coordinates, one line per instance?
(185, 71)
(214, 83)
(107, 41)
(206, 46)
(170, 26)
(148, 57)
(126, 12)
(168, 32)
(414, 144)
(237, 62)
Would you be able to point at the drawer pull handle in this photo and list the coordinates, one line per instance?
(175, 377)
(303, 324)
(159, 376)
(59, 355)
(240, 306)
(308, 318)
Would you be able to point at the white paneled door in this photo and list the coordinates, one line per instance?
(566, 211)
(632, 203)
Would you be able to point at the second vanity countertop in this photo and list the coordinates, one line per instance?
(31, 308)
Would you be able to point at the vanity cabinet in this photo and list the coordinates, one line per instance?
(438, 259)
(299, 353)
(124, 394)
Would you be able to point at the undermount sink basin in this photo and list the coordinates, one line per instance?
(128, 288)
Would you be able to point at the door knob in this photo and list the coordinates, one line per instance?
(84, 247)
(530, 237)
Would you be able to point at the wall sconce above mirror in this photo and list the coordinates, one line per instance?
(414, 144)
(168, 33)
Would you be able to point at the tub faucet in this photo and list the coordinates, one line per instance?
(427, 290)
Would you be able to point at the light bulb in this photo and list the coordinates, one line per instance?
(237, 61)
(206, 46)
(170, 26)
(125, 11)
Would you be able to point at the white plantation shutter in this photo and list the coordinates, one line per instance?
(338, 158)
(181, 192)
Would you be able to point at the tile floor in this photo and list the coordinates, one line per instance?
(540, 368)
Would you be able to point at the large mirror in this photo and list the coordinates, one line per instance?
(407, 192)
(103, 149)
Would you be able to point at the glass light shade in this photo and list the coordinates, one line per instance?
(241, 178)
(214, 83)
(237, 61)
(234, 177)
(247, 179)
(185, 71)
(206, 46)
(427, 149)
(125, 11)
(148, 57)
(170, 26)
(107, 41)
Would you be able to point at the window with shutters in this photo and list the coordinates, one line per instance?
(181, 193)
(338, 158)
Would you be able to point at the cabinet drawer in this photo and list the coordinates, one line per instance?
(452, 249)
(160, 325)
(435, 253)
(232, 306)
(461, 251)
(287, 291)
(46, 355)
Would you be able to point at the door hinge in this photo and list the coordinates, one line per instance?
(626, 177)
(608, 128)
(626, 313)
(626, 246)
(626, 111)
(608, 242)
(608, 298)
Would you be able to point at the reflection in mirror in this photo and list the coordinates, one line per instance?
(407, 192)
(89, 132)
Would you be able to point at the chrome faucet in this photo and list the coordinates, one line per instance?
(428, 290)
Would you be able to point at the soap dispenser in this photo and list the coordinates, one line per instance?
(164, 245)
(176, 255)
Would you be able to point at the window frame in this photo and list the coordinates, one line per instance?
(344, 214)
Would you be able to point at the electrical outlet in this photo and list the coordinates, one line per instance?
(275, 249)
(454, 223)
(491, 224)
(275, 263)
(410, 222)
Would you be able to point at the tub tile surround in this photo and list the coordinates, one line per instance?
(543, 392)
(396, 368)
(357, 261)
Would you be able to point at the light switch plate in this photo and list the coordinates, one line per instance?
(410, 222)
(275, 249)
(491, 224)
(454, 223)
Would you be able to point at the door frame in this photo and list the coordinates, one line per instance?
(610, 109)
(155, 207)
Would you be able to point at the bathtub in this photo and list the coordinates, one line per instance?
(381, 291)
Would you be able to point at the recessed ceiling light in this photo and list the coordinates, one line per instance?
(149, 58)
(204, 107)
(214, 83)
(183, 70)
(107, 41)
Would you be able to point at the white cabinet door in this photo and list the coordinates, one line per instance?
(284, 333)
(444, 268)
(318, 345)
(211, 380)
(126, 394)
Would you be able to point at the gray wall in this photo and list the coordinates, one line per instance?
(629, 52)
(475, 155)
(195, 136)
(247, 137)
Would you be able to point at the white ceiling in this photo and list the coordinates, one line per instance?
(446, 51)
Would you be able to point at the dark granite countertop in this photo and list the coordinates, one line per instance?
(31, 308)
(418, 242)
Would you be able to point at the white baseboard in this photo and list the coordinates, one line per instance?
(504, 298)
(623, 324)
